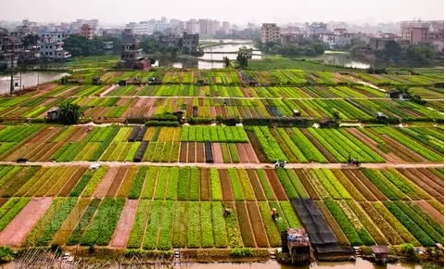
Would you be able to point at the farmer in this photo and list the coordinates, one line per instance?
(274, 214)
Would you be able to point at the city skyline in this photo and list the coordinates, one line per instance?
(323, 10)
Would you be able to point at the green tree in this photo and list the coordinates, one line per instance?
(420, 55)
(69, 113)
(227, 62)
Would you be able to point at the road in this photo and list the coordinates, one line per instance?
(237, 165)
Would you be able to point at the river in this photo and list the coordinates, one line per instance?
(359, 263)
(28, 79)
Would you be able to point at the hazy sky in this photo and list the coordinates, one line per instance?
(235, 11)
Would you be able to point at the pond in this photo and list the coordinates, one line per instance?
(213, 55)
(343, 59)
(28, 79)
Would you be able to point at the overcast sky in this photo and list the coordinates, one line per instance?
(235, 11)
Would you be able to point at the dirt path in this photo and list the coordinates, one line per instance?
(125, 224)
(17, 230)
(234, 165)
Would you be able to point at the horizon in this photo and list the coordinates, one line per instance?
(284, 11)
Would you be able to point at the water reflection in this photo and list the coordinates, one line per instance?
(213, 57)
(28, 79)
(343, 59)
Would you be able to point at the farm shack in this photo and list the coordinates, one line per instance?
(96, 81)
(393, 94)
(328, 124)
(381, 116)
(380, 253)
(296, 245)
(53, 114)
(296, 113)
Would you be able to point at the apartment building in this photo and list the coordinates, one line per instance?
(270, 32)
(192, 27)
(415, 32)
(87, 31)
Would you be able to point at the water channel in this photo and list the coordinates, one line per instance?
(358, 264)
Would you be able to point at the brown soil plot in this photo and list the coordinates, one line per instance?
(275, 184)
(125, 224)
(120, 176)
(17, 230)
(225, 185)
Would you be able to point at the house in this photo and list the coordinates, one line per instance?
(290, 39)
(131, 52)
(53, 50)
(378, 43)
(188, 43)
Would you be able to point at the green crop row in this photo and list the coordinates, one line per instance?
(213, 134)
(165, 237)
(220, 233)
(138, 183)
(10, 210)
(94, 181)
(151, 238)
(344, 223)
(139, 224)
(269, 145)
(421, 222)
(215, 185)
(104, 223)
(57, 221)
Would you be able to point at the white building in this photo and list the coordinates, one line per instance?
(225, 27)
(53, 36)
(141, 28)
(270, 32)
(53, 51)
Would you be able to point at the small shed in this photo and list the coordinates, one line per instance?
(252, 83)
(122, 83)
(404, 96)
(380, 253)
(200, 82)
(381, 116)
(53, 114)
(296, 113)
(96, 81)
(393, 94)
(328, 124)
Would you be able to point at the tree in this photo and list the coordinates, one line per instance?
(420, 55)
(69, 113)
(227, 62)
(242, 57)
(149, 45)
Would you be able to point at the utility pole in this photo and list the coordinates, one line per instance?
(11, 88)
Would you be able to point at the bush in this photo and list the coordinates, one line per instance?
(162, 123)
(5, 254)
(241, 252)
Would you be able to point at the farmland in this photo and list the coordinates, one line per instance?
(385, 202)
(163, 186)
(227, 144)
